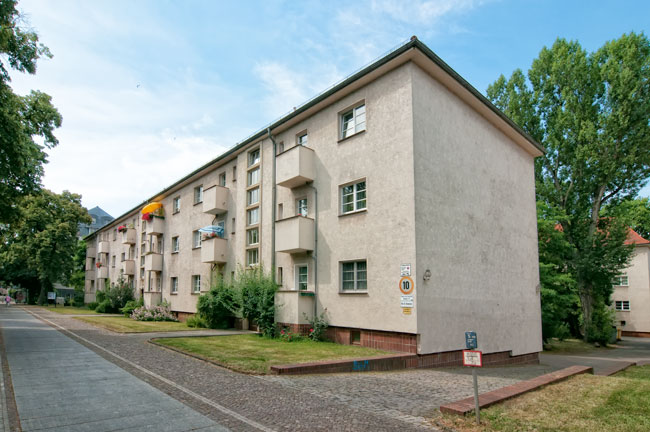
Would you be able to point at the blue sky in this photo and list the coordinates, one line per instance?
(150, 90)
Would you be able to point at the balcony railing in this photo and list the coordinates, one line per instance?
(153, 262)
(214, 250)
(129, 236)
(128, 267)
(294, 235)
(215, 200)
(295, 167)
(156, 226)
(103, 247)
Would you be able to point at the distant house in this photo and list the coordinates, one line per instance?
(631, 298)
(100, 218)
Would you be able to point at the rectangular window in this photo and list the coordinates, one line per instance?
(301, 278)
(234, 173)
(302, 139)
(196, 239)
(196, 283)
(175, 245)
(142, 260)
(252, 237)
(252, 257)
(173, 285)
(176, 207)
(141, 273)
(253, 196)
(301, 207)
(623, 305)
(279, 276)
(233, 225)
(123, 257)
(353, 276)
(115, 234)
(253, 216)
(158, 283)
(113, 261)
(254, 157)
(281, 147)
(621, 280)
(353, 121)
(253, 177)
(222, 179)
(198, 194)
(353, 197)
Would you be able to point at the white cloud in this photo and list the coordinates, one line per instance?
(423, 12)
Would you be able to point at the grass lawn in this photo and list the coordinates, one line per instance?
(256, 354)
(128, 325)
(584, 403)
(70, 310)
(555, 346)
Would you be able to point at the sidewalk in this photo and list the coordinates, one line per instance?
(62, 385)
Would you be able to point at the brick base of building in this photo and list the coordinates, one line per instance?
(183, 316)
(383, 340)
(636, 334)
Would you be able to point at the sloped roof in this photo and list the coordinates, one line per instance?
(634, 238)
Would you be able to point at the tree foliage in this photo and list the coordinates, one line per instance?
(41, 243)
(591, 111)
(635, 213)
(22, 118)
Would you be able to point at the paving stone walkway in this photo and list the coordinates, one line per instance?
(60, 385)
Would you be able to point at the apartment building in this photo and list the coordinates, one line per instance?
(400, 200)
(631, 296)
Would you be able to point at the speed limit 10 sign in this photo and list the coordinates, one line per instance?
(406, 285)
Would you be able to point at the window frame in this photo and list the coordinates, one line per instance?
(620, 306)
(252, 160)
(249, 194)
(356, 280)
(248, 261)
(249, 212)
(299, 207)
(175, 244)
(173, 285)
(249, 177)
(354, 121)
(176, 205)
(299, 139)
(257, 236)
(222, 179)
(297, 277)
(618, 280)
(196, 278)
(196, 234)
(198, 197)
(355, 199)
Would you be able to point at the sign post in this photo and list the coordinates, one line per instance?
(51, 296)
(474, 359)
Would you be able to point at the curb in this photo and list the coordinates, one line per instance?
(465, 406)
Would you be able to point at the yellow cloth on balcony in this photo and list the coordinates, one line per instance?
(151, 207)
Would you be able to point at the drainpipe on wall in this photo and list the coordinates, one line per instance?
(314, 254)
(273, 199)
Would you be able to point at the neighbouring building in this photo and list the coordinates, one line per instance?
(631, 297)
(100, 218)
(400, 200)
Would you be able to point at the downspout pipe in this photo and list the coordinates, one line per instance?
(314, 255)
(274, 201)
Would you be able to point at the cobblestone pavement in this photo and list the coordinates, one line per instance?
(383, 401)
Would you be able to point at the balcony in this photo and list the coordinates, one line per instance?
(153, 262)
(214, 250)
(90, 274)
(89, 264)
(129, 236)
(295, 167)
(215, 200)
(102, 272)
(103, 247)
(128, 267)
(294, 235)
(156, 226)
(91, 252)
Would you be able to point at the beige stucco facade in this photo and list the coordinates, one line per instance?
(442, 192)
(634, 317)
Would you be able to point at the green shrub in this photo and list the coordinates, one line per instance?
(131, 305)
(318, 325)
(257, 290)
(196, 321)
(219, 306)
(104, 307)
(285, 335)
(92, 305)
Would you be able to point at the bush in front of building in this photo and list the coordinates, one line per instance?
(162, 312)
(114, 297)
(131, 305)
(196, 321)
(250, 294)
(318, 326)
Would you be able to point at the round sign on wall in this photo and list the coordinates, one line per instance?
(406, 285)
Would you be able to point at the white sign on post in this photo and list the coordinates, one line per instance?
(405, 270)
(406, 301)
(51, 295)
(472, 358)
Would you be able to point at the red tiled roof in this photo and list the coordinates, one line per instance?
(634, 238)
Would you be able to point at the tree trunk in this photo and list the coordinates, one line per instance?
(42, 297)
(586, 303)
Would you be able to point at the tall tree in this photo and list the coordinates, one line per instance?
(22, 118)
(635, 213)
(591, 111)
(41, 243)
